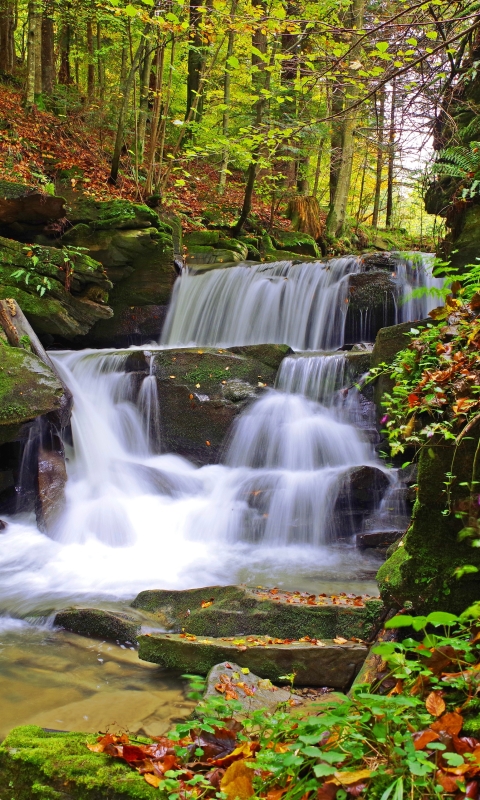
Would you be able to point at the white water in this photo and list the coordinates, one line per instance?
(136, 519)
(303, 305)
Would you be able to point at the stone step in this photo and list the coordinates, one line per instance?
(323, 664)
(378, 538)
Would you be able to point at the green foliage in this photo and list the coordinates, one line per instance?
(463, 162)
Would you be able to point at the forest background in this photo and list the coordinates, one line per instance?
(212, 108)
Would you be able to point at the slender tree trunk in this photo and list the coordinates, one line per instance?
(362, 188)
(91, 62)
(155, 123)
(336, 108)
(100, 63)
(338, 208)
(7, 31)
(48, 50)
(64, 73)
(391, 157)
(302, 173)
(226, 100)
(318, 166)
(38, 50)
(196, 61)
(124, 106)
(144, 98)
(289, 68)
(378, 176)
(31, 60)
(259, 43)
(161, 180)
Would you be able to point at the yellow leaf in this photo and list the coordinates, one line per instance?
(346, 778)
(245, 670)
(237, 781)
(153, 780)
(340, 640)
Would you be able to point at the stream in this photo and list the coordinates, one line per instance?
(271, 513)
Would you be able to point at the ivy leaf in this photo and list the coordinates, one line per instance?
(382, 46)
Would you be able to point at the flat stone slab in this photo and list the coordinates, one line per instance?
(112, 626)
(238, 683)
(231, 610)
(321, 664)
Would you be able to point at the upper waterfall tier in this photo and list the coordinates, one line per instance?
(303, 305)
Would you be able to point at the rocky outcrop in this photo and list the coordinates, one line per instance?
(34, 406)
(422, 569)
(314, 664)
(252, 692)
(26, 209)
(202, 390)
(100, 624)
(238, 610)
(136, 250)
(36, 279)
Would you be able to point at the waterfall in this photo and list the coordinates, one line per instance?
(302, 305)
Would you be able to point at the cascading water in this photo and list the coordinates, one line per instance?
(303, 305)
(269, 512)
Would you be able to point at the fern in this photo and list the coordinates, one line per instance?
(461, 162)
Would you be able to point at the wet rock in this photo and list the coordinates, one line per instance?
(333, 665)
(388, 342)
(231, 610)
(201, 391)
(22, 207)
(265, 694)
(52, 479)
(60, 313)
(366, 486)
(270, 354)
(3, 526)
(380, 539)
(371, 305)
(99, 624)
(295, 242)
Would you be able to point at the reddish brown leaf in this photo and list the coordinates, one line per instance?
(422, 738)
(328, 791)
(435, 704)
(448, 782)
(451, 723)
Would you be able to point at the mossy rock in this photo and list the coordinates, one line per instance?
(329, 664)
(28, 389)
(421, 570)
(27, 205)
(388, 342)
(239, 610)
(58, 766)
(199, 255)
(233, 245)
(57, 312)
(270, 354)
(286, 255)
(99, 624)
(466, 246)
(114, 214)
(201, 391)
(296, 242)
(201, 238)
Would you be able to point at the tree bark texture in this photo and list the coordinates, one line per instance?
(8, 24)
(379, 167)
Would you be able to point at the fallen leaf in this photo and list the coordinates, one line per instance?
(152, 780)
(346, 778)
(448, 782)
(451, 723)
(237, 783)
(424, 737)
(435, 704)
(328, 791)
(340, 640)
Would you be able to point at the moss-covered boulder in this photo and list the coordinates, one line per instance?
(28, 389)
(231, 610)
(100, 624)
(58, 766)
(319, 664)
(296, 242)
(136, 249)
(388, 342)
(422, 569)
(57, 312)
(25, 207)
(201, 391)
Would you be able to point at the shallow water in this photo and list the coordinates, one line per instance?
(62, 681)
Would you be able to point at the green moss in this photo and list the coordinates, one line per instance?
(115, 214)
(35, 763)
(296, 242)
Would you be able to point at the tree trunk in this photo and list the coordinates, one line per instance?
(91, 62)
(48, 50)
(378, 176)
(259, 42)
(391, 157)
(196, 61)
(226, 100)
(338, 208)
(155, 123)
(124, 106)
(31, 61)
(289, 67)
(100, 63)
(64, 73)
(318, 166)
(336, 108)
(38, 50)
(144, 98)
(7, 41)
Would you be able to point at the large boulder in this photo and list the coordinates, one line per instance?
(136, 249)
(26, 208)
(39, 288)
(314, 663)
(202, 390)
(251, 691)
(388, 342)
(422, 568)
(100, 624)
(295, 242)
(231, 610)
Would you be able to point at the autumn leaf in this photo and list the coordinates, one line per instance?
(340, 640)
(422, 738)
(435, 704)
(237, 783)
(451, 723)
(152, 780)
(346, 778)
(448, 782)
